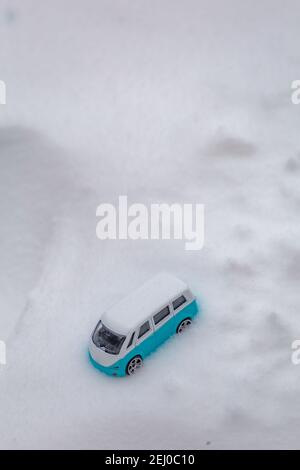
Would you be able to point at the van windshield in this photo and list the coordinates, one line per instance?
(107, 340)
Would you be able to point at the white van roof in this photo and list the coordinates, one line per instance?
(142, 303)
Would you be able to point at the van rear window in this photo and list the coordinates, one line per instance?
(178, 302)
(161, 315)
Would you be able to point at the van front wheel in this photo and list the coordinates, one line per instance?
(183, 325)
(135, 363)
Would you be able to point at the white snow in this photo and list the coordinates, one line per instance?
(142, 303)
(168, 101)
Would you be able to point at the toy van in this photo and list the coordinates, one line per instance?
(136, 326)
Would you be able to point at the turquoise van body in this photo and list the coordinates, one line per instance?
(151, 343)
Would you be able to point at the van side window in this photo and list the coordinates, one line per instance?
(144, 328)
(161, 315)
(178, 302)
(131, 340)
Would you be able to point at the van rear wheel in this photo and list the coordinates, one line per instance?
(135, 363)
(183, 325)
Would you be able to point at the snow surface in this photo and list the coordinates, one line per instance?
(166, 102)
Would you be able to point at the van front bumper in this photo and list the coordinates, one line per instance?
(115, 371)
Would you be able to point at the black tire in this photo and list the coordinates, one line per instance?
(183, 325)
(135, 363)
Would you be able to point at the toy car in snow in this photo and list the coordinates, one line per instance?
(136, 326)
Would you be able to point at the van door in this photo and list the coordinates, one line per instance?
(163, 324)
(144, 342)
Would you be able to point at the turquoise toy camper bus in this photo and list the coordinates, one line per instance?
(129, 331)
